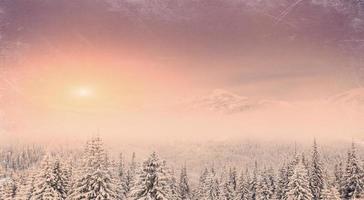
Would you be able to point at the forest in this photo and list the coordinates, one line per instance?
(33, 173)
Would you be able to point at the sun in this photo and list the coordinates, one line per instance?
(83, 92)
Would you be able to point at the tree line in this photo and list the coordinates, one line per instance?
(95, 176)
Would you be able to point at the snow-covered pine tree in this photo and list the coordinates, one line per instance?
(44, 187)
(67, 175)
(242, 190)
(299, 185)
(8, 189)
(121, 167)
(292, 165)
(59, 179)
(211, 187)
(282, 183)
(76, 170)
(329, 191)
(130, 174)
(21, 184)
(95, 181)
(353, 180)
(233, 178)
(174, 193)
(152, 181)
(338, 173)
(121, 176)
(184, 186)
(26, 186)
(50, 193)
(284, 175)
(264, 191)
(316, 173)
(271, 181)
(254, 182)
(306, 163)
(114, 166)
(2, 172)
(227, 191)
(200, 190)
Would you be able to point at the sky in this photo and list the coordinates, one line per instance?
(137, 69)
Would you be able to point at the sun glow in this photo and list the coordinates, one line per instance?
(83, 92)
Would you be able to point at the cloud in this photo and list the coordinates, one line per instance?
(225, 102)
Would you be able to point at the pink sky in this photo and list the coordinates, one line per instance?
(140, 62)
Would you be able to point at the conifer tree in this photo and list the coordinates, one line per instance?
(121, 167)
(184, 186)
(121, 176)
(59, 179)
(329, 191)
(174, 192)
(26, 187)
(227, 186)
(271, 181)
(316, 173)
(211, 187)
(67, 175)
(44, 185)
(95, 181)
(254, 182)
(152, 181)
(264, 191)
(200, 191)
(233, 178)
(2, 172)
(299, 186)
(285, 173)
(8, 189)
(50, 194)
(130, 174)
(242, 191)
(338, 173)
(282, 183)
(353, 180)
